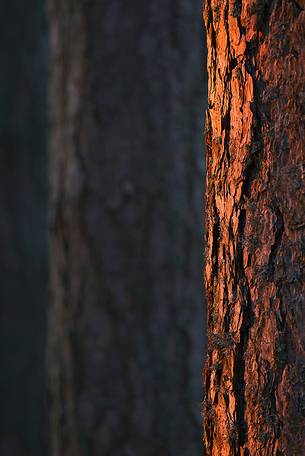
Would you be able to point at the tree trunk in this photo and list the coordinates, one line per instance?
(126, 317)
(254, 273)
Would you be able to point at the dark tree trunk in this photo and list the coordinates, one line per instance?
(254, 375)
(23, 227)
(126, 316)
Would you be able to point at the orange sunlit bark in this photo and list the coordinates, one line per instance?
(254, 374)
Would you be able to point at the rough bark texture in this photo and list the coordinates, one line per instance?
(126, 316)
(23, 227)
(254, 274)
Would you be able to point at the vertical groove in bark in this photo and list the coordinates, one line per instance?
(125, 319)
(254, 272)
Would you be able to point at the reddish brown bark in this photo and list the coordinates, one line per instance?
(254, 374)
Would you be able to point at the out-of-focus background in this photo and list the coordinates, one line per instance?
(147, 69)
(23, 227)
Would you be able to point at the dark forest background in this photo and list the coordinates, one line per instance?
(23, 227)
(24, 50)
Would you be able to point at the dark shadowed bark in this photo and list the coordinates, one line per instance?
(126, 313)
(254, 375)
(23, 227)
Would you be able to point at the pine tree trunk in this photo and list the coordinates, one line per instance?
(126, 318)
(254, 273)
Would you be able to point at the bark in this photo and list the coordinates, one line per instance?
(126, 316)
(254, 273)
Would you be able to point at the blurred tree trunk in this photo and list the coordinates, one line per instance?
(254, 274)
(126, 315)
